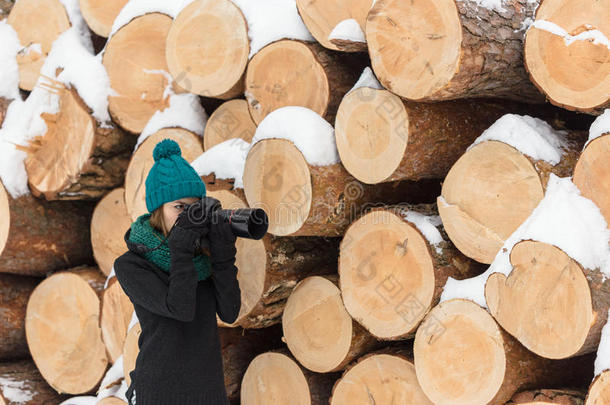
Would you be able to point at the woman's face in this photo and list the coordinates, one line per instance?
(173, 208)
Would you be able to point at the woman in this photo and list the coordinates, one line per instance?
(177, 291)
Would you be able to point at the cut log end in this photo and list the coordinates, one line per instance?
(130, 351)
(142, 161)
(231, 120)
(545, 303)
(316, 326)
(599, 391)
(286, 72)
(415, 47)
(367, 382)
(387, 274)
(371, 131)
(100, 14)
(573, 74)
(277, 179)
(133, 50)
(117, 311)
(274, 378)
(50, 19)
(65, 345)
(207, 48)
(487, 194)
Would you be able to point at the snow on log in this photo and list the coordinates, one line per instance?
(269, 268)
(299, 73)
(567, 51)
(222, 166)
(210, 42)
(381, 137)
(449, 49)
(318, 331)
(63, 331)
(117, 311)
(14, 294)
(142, 161)
(22, 384)
(109, 223)
(462, 356)
(494, 186)
(38, 236)
(275, 377)
(548, 397)
(599, 390)
(230, 120)
(100, 14)
(322, 18)
(293, 172)
(51, 18)
(366, 381)
(393, 263)
(549, 302)
(593, 167)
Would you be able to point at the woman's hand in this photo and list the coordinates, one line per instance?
(190, 227)
(222, 239)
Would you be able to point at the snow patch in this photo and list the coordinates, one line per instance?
(602, 361)
(15, 391)
(9, 70)
(226, 160)
(563, 218)
(348, 30)
(489, 4)
(531, 136)
(272, 20)
(592, 35)
(367, 79)
(599, 127)
(306, 129)
(427, 225)
(78, 23)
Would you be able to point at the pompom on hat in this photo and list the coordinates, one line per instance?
(171, 177)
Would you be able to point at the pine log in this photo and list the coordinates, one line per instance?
(22, 384)
(63, 331)
(100, 14)
(549, 303)
(318, 331)
(130, 351)
(491, 189)
(548, 397)
(94, 163)
(38, 236)
(276, 378)
(462, 356)
(117, 311)
(391, 275)
(142, 161)
(293, 72)
(111, 401)
(302, 199)
(36, 22)
(230, 120)
(269, 268)
(321, 17)
(109, 223)
(591, 173)
(366, 381)
(14, 294)
(450, 49)
(599, 390)
(381, 137)
(130, 53)
(239, 346)
(572, 73)
(207, 48)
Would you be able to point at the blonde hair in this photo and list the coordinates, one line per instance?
(157, 222)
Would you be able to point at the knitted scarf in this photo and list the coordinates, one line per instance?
(143, 232)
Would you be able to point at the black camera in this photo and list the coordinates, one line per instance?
(249, 223)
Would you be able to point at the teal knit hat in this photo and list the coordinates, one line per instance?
(171, 177)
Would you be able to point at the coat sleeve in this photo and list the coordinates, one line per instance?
(226, 289)
(175, 300)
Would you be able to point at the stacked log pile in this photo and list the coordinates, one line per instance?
(435, 176)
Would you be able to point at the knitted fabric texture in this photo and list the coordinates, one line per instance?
(143, 232)
(171, 177)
